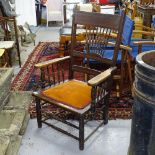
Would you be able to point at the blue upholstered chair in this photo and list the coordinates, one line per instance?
(123, 58)
(129, 49)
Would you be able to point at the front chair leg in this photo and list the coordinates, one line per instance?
(81, 133)
(38, 111)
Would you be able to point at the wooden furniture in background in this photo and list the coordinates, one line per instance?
(9, 27)
(54, 10)
(67, 4)
(65, 31)
(7, 46)
(146, 13)
(146, 2)
(142, 19)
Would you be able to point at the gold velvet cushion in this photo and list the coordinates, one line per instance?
(73, 93)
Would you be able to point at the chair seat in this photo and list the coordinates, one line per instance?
(73, 93)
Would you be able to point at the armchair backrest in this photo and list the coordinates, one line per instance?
(98, 32)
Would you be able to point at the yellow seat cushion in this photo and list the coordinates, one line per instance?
(73, 93)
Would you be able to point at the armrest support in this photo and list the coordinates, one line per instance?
(141, 43)
(144, 42)
(50, 62)
(101, 77)
(121, 46)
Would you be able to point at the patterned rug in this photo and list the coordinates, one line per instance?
(28, 77)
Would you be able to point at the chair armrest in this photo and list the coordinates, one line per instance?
(144, 32)
(121, 46)
(143, 42)
(49, 62)
(101, 77)
(113, 35)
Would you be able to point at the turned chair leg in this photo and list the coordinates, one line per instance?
(81, 133)
(38, 111)
(129, 71)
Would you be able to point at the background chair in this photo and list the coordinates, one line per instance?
(10, 36)
(129, 49)
(77, 97)
(123, 59)
(140, 30)
(65, 31)
(143, 36)
(54, 10)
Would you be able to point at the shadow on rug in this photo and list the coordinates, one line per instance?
(28, 77)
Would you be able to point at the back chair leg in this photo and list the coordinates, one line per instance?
(81, 133)
(38, 111)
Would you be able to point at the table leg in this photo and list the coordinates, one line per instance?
(65, 13)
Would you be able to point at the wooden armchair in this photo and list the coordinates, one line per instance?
(9, 36)
(69, 92)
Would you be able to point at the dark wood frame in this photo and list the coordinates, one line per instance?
(101, 82)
